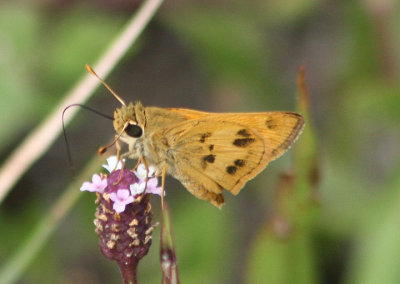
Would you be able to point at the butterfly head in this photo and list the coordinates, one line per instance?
(129, 121)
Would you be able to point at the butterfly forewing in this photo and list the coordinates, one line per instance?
(230, 149)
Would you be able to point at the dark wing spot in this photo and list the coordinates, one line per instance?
(211, 147)
(243, 132)
(243, 142)
(231, 170)
(240, 162)
(270, 124)
(209, 158)
(204, 136)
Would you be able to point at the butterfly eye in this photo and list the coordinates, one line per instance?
(134, 130)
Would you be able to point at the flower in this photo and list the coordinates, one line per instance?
(137, 188)
(121, 198)
(113, 164)
(153, 188)
(123, 221)
(141, 172)
(97, 185)
(152, 183)
(123, 214)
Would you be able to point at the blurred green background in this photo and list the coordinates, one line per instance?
(326, 212)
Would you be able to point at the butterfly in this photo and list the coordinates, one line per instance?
(207, 152)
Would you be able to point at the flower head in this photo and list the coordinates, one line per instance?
(123, 214)
(122, 185)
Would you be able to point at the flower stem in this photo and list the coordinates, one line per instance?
(169, 265)
(128, 272)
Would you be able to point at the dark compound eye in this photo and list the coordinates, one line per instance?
(134, 130)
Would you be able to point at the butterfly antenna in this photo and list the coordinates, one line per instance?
(104, 149)
(65, 130)
(91, 71)
(71, 165)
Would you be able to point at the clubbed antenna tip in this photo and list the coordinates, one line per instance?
(91, 71)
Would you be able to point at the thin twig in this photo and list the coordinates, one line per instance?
(41, 138)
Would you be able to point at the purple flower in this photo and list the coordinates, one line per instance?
(153, 188)
(97, 185)
(123, 214)
(121, 198)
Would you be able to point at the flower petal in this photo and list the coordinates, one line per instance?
(141, 172)
(152, 187)
(87, 186)
(113, 164)
(96, 179)
(122, 194)
(155, 190)
(130, 199)
(103, 184)
(113, 197)
(152, 182)
(121, 198)
(137, 188)
(98, 183)
(119, 207)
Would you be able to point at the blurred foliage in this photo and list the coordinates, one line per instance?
(327, 212)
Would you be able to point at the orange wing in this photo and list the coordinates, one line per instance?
(224, 140)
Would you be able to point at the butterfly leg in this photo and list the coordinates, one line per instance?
(163, 176)
(137, 164)
(118, 147)
(146, 165)
(119, 159)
